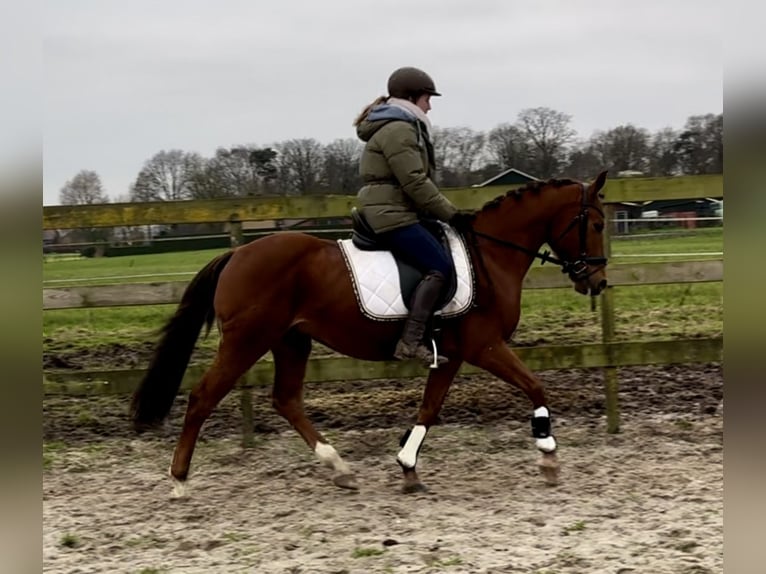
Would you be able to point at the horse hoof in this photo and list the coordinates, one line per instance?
(347, 481)
(414, 487)
(549, 468)
(143, 427)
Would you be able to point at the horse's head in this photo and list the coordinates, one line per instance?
(576, 235)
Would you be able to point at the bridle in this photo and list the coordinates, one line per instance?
(577, 269)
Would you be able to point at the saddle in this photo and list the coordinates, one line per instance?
(364, 238)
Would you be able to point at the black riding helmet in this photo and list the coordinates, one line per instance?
(410, 83)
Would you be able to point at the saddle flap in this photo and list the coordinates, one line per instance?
(363, 237)
(382, 284)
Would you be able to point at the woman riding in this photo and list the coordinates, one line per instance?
(396, 168)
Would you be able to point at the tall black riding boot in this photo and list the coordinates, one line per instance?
(424, 300)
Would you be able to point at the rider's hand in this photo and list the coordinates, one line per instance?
(462, 220)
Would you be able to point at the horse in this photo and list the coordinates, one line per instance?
(283, 291)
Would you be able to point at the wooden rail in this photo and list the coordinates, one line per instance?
(542, 358)
(159, 293)
(316, 206)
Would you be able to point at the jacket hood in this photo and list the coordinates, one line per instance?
(379, 116)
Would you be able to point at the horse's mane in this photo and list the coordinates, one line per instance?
(517, 193)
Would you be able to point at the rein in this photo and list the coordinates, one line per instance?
(577, 269)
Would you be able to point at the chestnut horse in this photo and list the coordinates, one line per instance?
(283, 291)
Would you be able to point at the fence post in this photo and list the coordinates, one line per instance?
(611, 383)
(246, 408)
(235, 230)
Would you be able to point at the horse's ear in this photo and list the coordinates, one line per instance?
(599, 183)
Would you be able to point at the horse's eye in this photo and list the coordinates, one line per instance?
(599, 227)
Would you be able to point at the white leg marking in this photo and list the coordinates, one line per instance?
(179, 487)
(408, 456)
(329, 456)
(547, 444)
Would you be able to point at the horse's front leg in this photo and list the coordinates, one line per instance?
(498, 359)
(437, 386)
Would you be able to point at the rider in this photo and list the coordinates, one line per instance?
(396, 168)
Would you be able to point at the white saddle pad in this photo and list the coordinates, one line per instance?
(375, 276)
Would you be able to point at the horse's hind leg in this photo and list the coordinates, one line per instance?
(437, 386)
(236, 354)
(290, 357)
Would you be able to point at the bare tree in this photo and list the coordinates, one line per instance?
(584, 162)
(300, 163)
(458, 151)
(264, 163)
(700, 145)
(622, 148)
(549, 133)
(84, 188)
(228, 173)
(209, 183)
(341, 166)
(663, 159)
(509, 147)
(168, 176)
(442, 138)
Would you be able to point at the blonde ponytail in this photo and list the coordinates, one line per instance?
(360, 118)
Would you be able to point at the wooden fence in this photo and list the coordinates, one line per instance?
(316, 206)
(608, 354)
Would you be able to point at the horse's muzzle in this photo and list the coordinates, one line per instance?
(592, 284)
(599, 287)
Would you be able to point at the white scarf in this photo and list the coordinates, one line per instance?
(408, 106)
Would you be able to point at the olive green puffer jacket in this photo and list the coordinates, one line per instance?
(396, 165)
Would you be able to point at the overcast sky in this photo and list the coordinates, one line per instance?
(124, 80)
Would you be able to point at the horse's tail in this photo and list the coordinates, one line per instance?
(155, 395)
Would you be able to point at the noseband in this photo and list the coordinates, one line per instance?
(577, 269)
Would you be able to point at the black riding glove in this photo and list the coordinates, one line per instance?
(462, 220)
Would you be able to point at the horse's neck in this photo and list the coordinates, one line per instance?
(525, 223)
(519, 224)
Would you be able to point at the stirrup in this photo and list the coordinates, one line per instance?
(421, 353)
(431, 359)
(438, 359)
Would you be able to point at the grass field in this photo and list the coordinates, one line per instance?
(548, 316)
(698, 242)
(128, 269)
